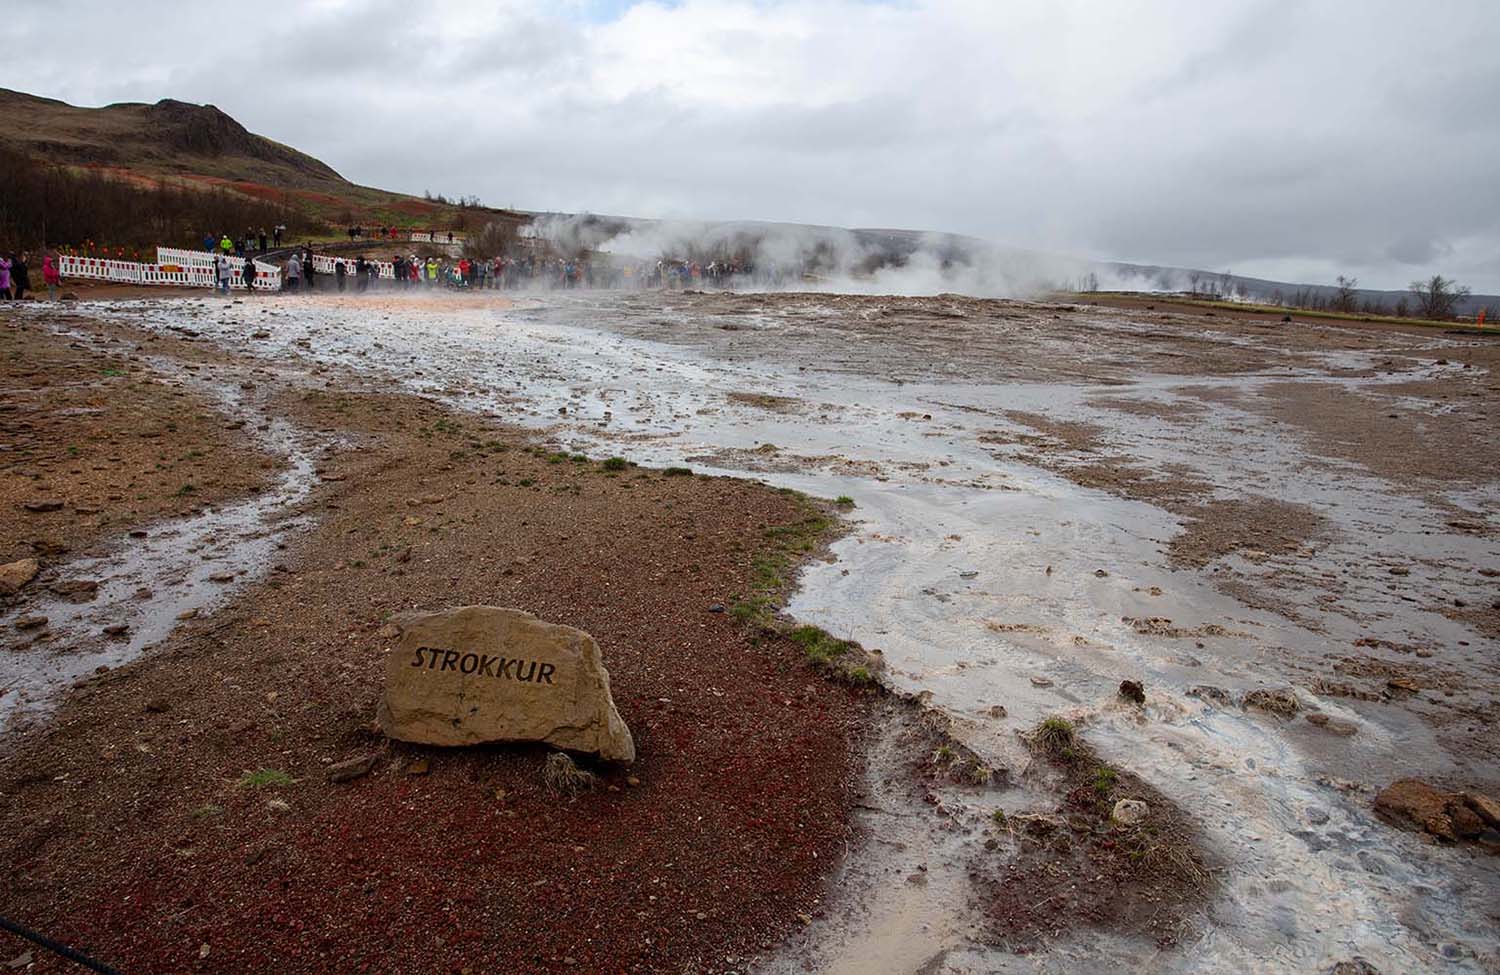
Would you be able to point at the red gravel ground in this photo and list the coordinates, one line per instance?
(126, 829)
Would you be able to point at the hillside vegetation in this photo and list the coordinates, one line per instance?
(132, 175)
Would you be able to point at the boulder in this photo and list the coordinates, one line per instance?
(14, 575)
(1448, 816)
(1414, 802)
(485, 674)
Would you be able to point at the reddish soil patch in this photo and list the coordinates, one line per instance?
(126, 826)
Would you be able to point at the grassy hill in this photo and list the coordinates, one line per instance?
(110, 174)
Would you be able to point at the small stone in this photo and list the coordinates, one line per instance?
(716, 607)
(1354, 966)
(1403, 684)
(1100, 573)
(203, 950)
(1398, 570)
(221, 577)
(1133, 691)
(390, 631)
(14, 575)
(279, 805)
(42, 505)
(997, 711)
(76, 590)
(1128, 812)
(158, 705)
(1335, 726)
(31, 622)
(968, 574)
(418, 766)
(351, 769)
(188, 614)
(1484, 807)
(1316, 816)
(1041, 682)
(632, 781)
(116, 629)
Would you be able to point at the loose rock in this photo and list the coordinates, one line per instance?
(1128, 812)
(1133, 691)
(1451, 816)
(14, 575)
(352, 769)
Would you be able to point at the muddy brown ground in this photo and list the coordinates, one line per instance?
(106, 440)
(128, 825)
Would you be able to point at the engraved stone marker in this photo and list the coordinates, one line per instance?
(484, 674)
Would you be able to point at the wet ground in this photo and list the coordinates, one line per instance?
(1047, 500)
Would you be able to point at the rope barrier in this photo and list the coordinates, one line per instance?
(57, 948)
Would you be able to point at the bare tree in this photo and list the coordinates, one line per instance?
(1438, 297)
(1224, 281)
(1345, 299)
(1193, 278)
(1403, 307)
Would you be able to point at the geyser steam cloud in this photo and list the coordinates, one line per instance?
(804, 258)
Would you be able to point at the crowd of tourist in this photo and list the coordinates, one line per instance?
(15, 275)
(529, 272)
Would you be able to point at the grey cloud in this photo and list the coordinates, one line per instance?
(1340, 137)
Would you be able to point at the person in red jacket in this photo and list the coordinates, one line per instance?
(51, 275)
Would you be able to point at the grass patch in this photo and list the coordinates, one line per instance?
(273, 778)
(844, 501)
(562, 776)
(677, 472)
(615, 464)
(1054, 736)
(1105, 779)
(821, 648)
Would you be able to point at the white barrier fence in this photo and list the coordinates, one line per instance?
(183, 273)
(324, 264)
(195, 269)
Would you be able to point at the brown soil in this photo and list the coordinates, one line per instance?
(114, 442)
(1048, 872)
(1433, 436)
(128, 827)
(1256, 528)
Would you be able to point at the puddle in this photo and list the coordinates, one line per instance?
(183, 567)
(975, 572)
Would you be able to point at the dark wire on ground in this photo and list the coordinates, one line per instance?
(56, 948)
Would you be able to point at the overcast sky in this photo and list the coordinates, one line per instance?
(1295, 140)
